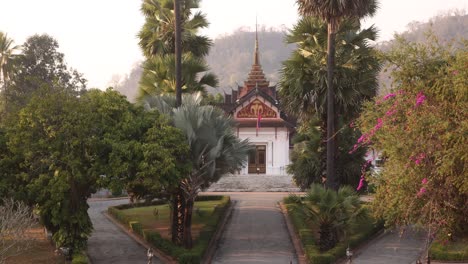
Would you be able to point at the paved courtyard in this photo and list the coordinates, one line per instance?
(108, 244)
(256, 232)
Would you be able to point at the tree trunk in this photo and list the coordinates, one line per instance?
(188, 243)
(332, 182)
(178, 213)
(178, 53)
(328, 238)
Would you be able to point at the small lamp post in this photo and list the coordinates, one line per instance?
(150, 255)
(349, 254)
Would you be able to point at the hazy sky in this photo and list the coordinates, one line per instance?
(98, 37)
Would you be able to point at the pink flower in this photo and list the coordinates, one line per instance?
(390, 112)
(379, 124)
(424, 181)
(421, 192)
(455, 72)
(420, 98)
(388, 96)
(361, 139)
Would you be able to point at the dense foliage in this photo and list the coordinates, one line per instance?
(334, 213)
(303, 92)
(421, 128)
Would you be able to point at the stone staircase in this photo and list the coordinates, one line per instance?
(254, 183)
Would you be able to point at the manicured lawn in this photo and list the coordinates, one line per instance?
(153, 222)
(158, 217)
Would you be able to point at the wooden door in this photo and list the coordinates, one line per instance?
(257, 160)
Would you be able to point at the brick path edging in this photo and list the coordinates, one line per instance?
(301, 258)
(211, 249)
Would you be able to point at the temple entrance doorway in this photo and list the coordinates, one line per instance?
(257, 160)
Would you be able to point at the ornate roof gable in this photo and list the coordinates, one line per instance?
(256, 108)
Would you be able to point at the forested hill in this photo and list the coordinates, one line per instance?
(447, 27)
(231, 56)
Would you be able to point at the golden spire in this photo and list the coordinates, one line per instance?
(256, 58)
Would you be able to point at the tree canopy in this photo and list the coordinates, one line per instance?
(419, 127)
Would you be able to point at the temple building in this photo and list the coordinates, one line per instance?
(259, 118)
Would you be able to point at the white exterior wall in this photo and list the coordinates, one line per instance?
(277, 147)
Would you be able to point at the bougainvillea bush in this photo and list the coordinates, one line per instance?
(421, 128)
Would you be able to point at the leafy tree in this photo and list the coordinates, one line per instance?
(54, 138)
(214, 148)
(42, 65)
(333, 212)
(7, 59)
(420, 127)
(303, 93)
(333, 12)
(67, 142)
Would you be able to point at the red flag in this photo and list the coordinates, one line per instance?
(259, 118)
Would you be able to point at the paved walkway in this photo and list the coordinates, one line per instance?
(256, 232)
(390, 248)
(108, 244)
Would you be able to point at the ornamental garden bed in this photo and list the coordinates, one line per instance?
(152, 223)
(308, 235)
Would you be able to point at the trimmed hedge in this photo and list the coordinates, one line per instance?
(183, 255)
(311, 248)
(446, 253)
(80, 258)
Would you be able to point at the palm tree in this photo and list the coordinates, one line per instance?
(7, 58)
(159, 76)
(178, 53)
(215, 149)
(333, 12)
(157, 35)
(303, 93)
(333, 212)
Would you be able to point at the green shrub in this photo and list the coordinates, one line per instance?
(117, 214)
(80, 258)
(136, 227)
(306, 236)
(209, 198)
(446, 253)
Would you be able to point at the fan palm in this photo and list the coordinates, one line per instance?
(303, 93)
(157, 36)
(333, 212)
(215, 149)
(333, 12)
(7, 58)
(159, 75)
(303, 80)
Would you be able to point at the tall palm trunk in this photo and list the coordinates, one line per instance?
(332, 182)
(178, 201)
(178, 217)
(178, 53)
(188, 243)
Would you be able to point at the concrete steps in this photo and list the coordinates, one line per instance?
(254, 183)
